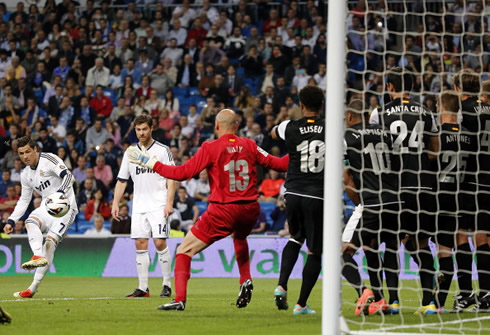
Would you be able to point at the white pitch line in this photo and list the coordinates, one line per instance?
(64, 299)
(422, 325)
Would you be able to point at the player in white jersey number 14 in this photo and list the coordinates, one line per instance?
(45, 174)
(152, 204)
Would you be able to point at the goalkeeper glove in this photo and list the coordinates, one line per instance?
(141, 157)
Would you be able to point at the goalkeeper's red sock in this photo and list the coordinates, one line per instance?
(242, 259)
(182, 275)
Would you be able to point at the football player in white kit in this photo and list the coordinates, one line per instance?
(45, 174)
(152, 204)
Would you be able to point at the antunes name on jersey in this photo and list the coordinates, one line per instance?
(140, 170)
(450, 138)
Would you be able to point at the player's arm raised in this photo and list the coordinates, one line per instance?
(279, 164)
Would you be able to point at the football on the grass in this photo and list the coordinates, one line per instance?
(57, 204)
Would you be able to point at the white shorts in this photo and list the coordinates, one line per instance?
(351, 226)
(57, 226)
(150, 224)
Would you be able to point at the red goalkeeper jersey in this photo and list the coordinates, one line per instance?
(231, 165)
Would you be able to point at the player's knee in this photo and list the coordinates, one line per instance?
(160, 243)
(141, 244)
(33, 221)
(53, 238)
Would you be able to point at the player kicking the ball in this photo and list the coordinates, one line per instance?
(45, 174)
(153, 203)
(233, 208)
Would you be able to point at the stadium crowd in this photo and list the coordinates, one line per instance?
(74, 79)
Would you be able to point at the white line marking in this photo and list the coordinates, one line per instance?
(65, 299)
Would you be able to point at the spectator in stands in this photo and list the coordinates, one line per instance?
(46, 142)
(103, 171)
(252, 63)
(8, 202)
(189, 211)
(10, 155)
(98, 230)
(235, 44)
(244, 100)
(57, 130)
(100, 103)
(80, 172)
(178, 32)
(199, 188)
(85, 112)
(160, 80)
(123, 225)
(186, 75)
(96, 135)
(132, 71)
(301, 78)
(145, 89)
(144, 63)
(219, 89)
(197, 32)
(5, 182)
(269, 79)
(20, 227)
(97, 205)
(172, 104)
(16, 170)
(272, 22)
(184, 13)
(210, 54)
(270, 187)
(261, 224)
(170, 70)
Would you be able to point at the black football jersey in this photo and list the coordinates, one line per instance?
(305, 143)
(457, 150)
(476, 118)
(412, 126)
(369, 156)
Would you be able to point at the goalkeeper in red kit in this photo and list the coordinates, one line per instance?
(233, 208)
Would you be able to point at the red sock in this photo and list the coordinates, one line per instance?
(242, 259)
(182, 274)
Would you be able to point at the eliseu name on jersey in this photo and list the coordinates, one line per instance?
(310, 129)
(405, 109)
(140, 170)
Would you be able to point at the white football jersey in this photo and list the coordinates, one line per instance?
(150, 189)
(45, 179)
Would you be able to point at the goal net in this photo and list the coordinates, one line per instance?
(432, 41)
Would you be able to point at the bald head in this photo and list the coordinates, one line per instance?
(226, 122)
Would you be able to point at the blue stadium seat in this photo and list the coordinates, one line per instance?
(111, 95)
(268, 207)
(240, 72)
(200, 106)
(181, 92)
(193, 91)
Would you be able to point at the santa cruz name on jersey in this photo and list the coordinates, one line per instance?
(306, 147)
(150, 189)
(49, 176)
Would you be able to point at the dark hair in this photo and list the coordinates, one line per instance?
(175, 224)
(468, 81)
(26, 140)
(450, 101)
(143, 118)
(312, 98)
(401, 80)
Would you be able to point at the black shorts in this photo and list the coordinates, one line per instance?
(305, 220)
(418, 213)
(446, 228)
(378, 223)
(475, 210)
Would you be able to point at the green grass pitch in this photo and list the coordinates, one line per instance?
(66, 305)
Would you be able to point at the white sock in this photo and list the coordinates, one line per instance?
(48, 252)
(164, 260)
(35, 238)
(142, 264)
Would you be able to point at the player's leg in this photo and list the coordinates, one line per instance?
(464, 261)
(244, 217)
(34, 225)
(391, 237)
(190, 246)
(160, 231)
(57, 229)
(312, 210)
(290, 252)
(483, 267)
(141, 232)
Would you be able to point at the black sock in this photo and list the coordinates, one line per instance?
(375, 272)
(288, 259)
(311, 271)
(464, 262)
(446, 267)
(392, 270)
(426, 273)
(350, 270)
(483, 266)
